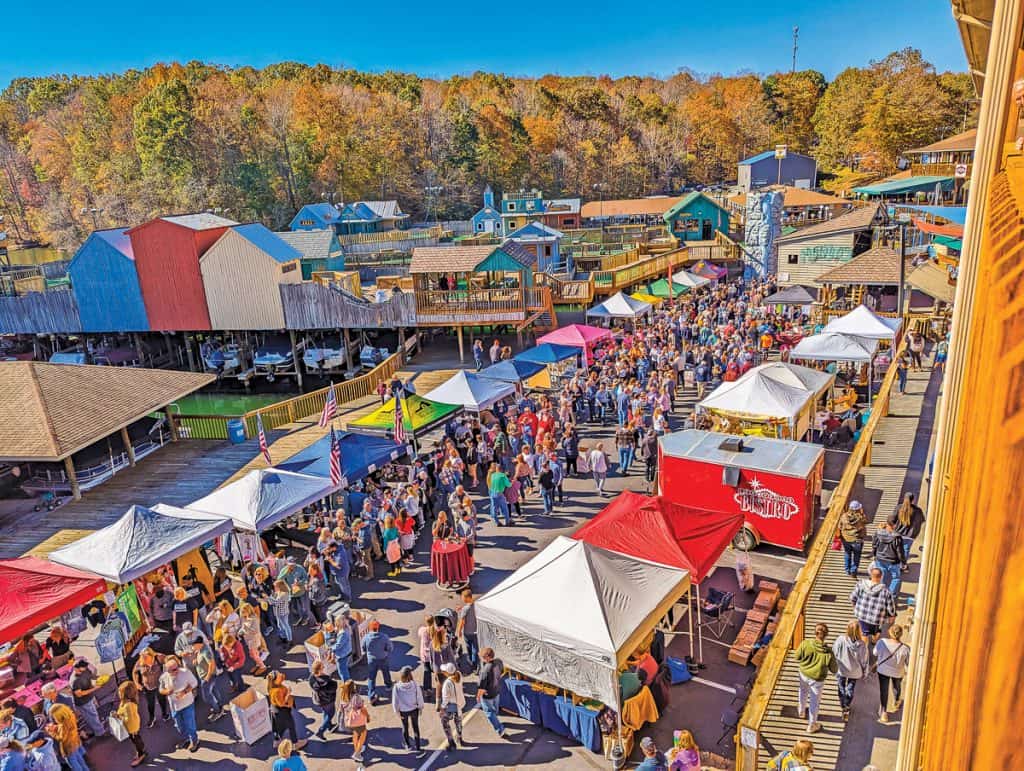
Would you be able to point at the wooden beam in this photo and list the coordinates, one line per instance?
(348, 348)
(69, 467)
(296, 360)
(128, 446)
(172, 424)
(188, 352)
(462, 355)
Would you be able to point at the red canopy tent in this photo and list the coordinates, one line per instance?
(34, 591)
(953, 230)
(655, 529)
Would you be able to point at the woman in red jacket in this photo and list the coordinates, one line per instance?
(232, 653)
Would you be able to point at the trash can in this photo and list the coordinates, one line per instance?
(236, 431)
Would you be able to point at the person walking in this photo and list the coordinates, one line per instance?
(497, 485)
(128, 713)
(916, 348)
(83, 688)
(546, 481)
(325, 692)
(571, 447)
(853, 529)
(451, 704)
(206, 672)
(625, 442)
(598, 463)
(281, 603)
(907, 522)
(492, 673)
(282, 703)
(816, 661)
(873, 605)
(851, 654)
(355, 716)
(649, 452)
(338, 636)
(287, 758)
(901, 374)
(892, 655)
(888, 550)
(377, 648)
(63, 728)
(232, 656)
(179, 686)
(465, 630)
(146, 677)
(407, 702)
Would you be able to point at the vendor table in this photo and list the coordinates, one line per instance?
(555, 713)
(450, 562)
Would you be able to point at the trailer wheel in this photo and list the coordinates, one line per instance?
(746, 539)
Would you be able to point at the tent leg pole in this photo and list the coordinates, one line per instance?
(700, 631)
(689, 617)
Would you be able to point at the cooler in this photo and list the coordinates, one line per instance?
(774, 483)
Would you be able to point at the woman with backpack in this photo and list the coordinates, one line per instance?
(907, 522)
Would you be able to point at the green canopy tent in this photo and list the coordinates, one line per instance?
(418, 415)
(660, 288)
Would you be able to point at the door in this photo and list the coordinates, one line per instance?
(706, 230)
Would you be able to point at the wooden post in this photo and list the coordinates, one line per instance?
(348, 348)
(137, 338)
(69, 467)
(188, 352)
(172, 424)
(128, 446)
(462, 355)
(296, 360)
(401, 342)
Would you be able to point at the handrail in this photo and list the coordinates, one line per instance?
(771, 668)
(386, 236)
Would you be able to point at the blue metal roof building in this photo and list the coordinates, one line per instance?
(795, 170)
(316, 216)
(105, 284)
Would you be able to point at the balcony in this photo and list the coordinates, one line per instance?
(479, 306)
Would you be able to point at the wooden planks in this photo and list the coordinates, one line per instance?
(315, 306)
(42, 313)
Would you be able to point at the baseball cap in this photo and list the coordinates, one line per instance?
(81, 664)
(448, 668)
(647, 743)
(856, 505)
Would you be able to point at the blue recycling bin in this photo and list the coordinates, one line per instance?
(236, 431)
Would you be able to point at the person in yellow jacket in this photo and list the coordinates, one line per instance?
(128, 713)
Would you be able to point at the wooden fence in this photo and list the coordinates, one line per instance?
(748, 731)
(290, 410)
(39, 313)
(388, 236)
(314, 306)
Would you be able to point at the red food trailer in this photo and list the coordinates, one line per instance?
(774, 483)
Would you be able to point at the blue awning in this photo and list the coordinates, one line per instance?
(512, 370)
(360, 455)
(906, 185)
(548, 353)
(957, 214)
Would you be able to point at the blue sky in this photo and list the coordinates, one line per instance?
(458, 36)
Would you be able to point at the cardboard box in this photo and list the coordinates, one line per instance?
(316, 648)
(250, 712)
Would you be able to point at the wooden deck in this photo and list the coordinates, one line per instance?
(880, 487)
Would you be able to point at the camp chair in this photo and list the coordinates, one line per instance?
(717, 612)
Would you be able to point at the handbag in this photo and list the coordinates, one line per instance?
(837, 544)
(117, 727)
(394, 551)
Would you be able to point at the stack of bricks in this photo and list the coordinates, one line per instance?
(756, 625)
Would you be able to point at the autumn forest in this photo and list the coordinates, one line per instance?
(256, 144)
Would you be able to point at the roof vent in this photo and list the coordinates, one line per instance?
(732, 444)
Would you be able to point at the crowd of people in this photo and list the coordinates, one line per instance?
(500, 466)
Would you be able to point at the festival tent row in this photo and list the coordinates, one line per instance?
(796, 294)
(662, 290)
(577, 637)
(778, 395)
(620, 306)
(141, 541)
(472, 390)
(548, 353)
(263, 497)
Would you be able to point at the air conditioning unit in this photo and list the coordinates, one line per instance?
(732, 444)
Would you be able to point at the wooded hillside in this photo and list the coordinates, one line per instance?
(259, 143)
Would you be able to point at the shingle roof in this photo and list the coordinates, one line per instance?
(957, 142)
(797, 196)
(49, 411)
(879, 266)
(267, 241)
(443, 259)
(311, 244)
(200, 221)
(860, 218)
(385, 209)
(519, 253)
(627, 207)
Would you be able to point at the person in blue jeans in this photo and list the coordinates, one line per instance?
(888, 549)
(497, 483)
(179, 686)
(377, 648)
(466, 628)
(338, 635)
(489, 691)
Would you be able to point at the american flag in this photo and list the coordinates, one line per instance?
(399, 422)
(335, 459)
(264, 447)
(330, 408)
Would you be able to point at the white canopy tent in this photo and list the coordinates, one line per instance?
(620, 306)
(864, 322)
(470, 389)
(263, 497)
(575, 612)
(775, 391)
(141, 541)
(833, 346)
(690, 280)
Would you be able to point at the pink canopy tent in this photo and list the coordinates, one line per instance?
(709, 270)
(578, 336)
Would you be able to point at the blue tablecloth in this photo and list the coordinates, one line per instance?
(557, 714)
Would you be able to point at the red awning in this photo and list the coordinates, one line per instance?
(658, 530)
(956, 231)
(34, 591)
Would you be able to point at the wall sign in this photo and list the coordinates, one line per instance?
(758, 499)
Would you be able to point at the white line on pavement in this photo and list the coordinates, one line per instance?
(702, 681)
(444, 742)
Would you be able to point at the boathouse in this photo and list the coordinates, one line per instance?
(105, 284)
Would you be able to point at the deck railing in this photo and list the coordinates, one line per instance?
(791, 622)
(386, 236)
(567, 291)
(648, 269)
(289, 410)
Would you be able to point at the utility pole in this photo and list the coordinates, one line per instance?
(796, 35)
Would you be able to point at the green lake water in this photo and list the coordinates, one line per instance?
(226, 404)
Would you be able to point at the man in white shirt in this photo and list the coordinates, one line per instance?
(179, 685)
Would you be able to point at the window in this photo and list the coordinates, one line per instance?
(289, 267)
(479, 226)
(547, 250)
(567, 222)
(511, 206)
(511, 225)
(793, 259)
(306, 223)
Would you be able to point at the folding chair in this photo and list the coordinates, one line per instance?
(730, 719)
(717, 612)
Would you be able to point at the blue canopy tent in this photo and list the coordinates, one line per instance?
(549, 353)
(361, 455)
(512, 370)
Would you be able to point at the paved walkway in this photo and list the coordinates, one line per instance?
(899, 456)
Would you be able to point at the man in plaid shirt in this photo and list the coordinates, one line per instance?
(873, 604)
